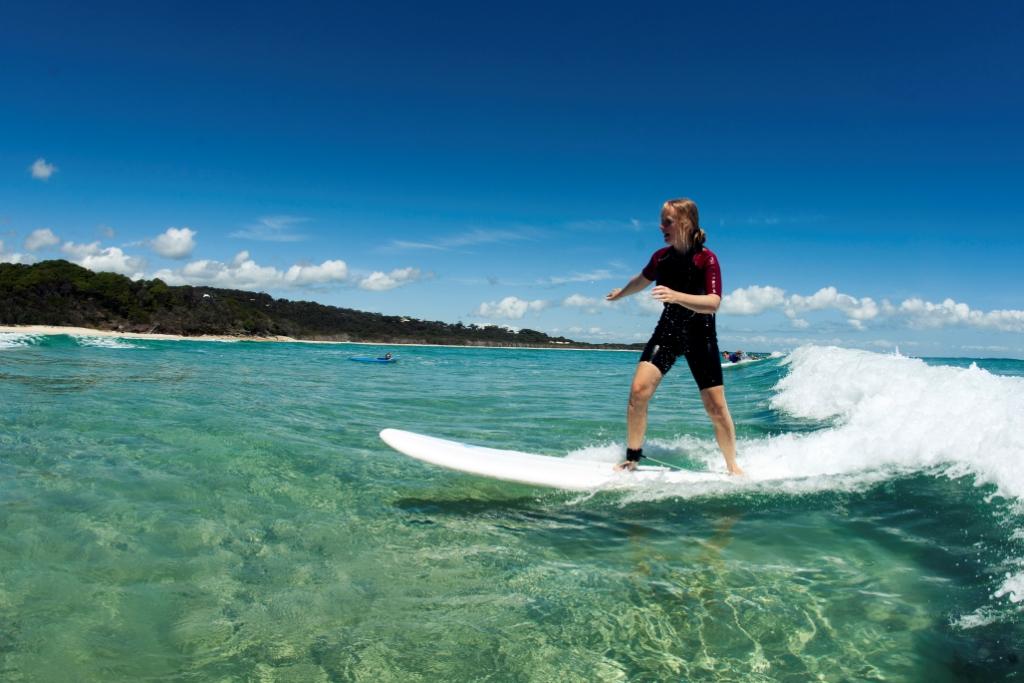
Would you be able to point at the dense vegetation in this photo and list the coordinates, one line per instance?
(62, 293)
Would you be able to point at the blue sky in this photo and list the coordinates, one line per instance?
(858, 166)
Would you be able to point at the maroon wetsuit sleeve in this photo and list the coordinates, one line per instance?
(708, 262)
(650, 271)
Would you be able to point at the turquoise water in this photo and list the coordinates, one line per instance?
(201, 511)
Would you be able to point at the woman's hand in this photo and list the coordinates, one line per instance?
(614, 294)
(665, 295)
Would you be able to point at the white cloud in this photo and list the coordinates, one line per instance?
(510, 308)
(914, 312)
(175, 243)
(104, 259)
(856, 310)
(756, 299)
(379, 281)
(752, 300)
(41, 239)
(273, 229)
(328, 271)
(244, 273)
(926, 314)
(113, 260)
(41, 170)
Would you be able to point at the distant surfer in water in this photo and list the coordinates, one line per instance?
(689, 283)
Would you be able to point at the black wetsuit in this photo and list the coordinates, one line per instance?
(681, 331)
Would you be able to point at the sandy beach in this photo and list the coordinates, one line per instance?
(89, 332)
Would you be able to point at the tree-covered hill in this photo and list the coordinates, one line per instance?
(62, 293)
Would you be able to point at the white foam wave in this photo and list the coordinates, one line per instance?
(102, 342)
(15, 340)
(892, 412)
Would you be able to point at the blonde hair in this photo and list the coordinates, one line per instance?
(684, 212)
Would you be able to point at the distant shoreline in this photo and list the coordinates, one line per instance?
(92, 332)
(45, 330)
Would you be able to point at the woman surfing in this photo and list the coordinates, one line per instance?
(689, 283)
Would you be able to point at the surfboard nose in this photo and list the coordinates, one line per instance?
(390, 435)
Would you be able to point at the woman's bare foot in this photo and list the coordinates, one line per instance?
(625, 465)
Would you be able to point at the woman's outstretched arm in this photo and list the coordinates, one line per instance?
(637, 284)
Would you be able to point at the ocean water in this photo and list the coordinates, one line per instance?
(202, 511)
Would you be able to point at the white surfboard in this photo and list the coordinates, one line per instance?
(531, 468)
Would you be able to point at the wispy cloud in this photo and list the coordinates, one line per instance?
(273, 229)
(402, 244)
(607, 225)
(772, 220)
(593, 276)
(470, 239)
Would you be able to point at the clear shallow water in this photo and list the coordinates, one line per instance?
(208, 511)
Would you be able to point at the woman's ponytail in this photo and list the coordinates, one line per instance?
(697, 238)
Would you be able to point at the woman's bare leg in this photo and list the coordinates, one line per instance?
(725, 431)
(645, 381)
